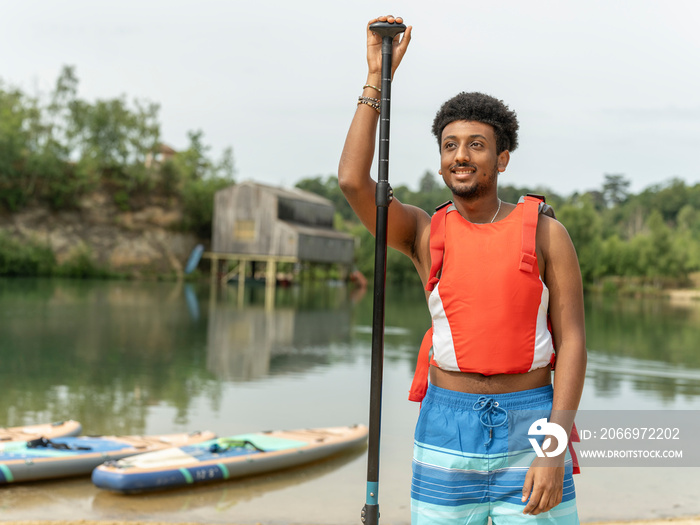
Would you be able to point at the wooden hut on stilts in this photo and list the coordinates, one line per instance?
(256, 223)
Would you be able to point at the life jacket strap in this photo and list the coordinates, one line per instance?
(419, 386)
(437, 243)
(574, 438)
(531, 210)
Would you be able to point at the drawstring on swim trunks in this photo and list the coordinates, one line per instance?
(488, 407)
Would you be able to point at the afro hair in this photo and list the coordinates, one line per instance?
(480, 108)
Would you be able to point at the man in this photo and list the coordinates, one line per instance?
(501, 274)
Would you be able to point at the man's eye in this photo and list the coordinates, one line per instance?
(476, 144)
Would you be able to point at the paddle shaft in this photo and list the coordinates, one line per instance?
(370, 512)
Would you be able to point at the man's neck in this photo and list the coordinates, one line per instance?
(479, 210)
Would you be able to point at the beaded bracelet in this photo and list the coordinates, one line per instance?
(373, 87)
(371, 102)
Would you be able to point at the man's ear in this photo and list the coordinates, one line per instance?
(503, 159)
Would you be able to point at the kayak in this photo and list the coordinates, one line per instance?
(226, 458)
(44, 458)
(47, 430)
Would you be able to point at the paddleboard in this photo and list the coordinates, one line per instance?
(44, 458)
(226, 458)
(47, 430)
(194, 258)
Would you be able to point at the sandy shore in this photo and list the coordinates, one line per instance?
(670, 521)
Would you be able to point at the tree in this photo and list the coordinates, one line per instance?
(330, 190)
(13, 141)
(428, 183)
(193, 163)
(510, 193)
(585, 229)
(113, 139)
(200, 178)
(615, 189)
(313, 185)
(55, 150)
(59, 182)
(665, 261)
(688, 219)
(668, 197)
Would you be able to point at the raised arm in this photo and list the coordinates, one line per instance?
(407, 225)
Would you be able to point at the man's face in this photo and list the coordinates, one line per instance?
(469, 163)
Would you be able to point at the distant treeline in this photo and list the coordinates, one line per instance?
(624, 241)
(56, 148)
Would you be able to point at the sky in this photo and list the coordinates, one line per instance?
(600, 87)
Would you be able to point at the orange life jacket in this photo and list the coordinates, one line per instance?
(487, 302)
(480, 265)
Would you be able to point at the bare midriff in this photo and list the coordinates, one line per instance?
(494, 384)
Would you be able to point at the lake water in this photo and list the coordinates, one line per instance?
(135, 358)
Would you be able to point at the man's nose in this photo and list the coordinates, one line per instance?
(462, 154)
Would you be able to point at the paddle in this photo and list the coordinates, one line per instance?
(370, 512)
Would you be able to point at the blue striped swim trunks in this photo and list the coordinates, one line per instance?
(471, 455)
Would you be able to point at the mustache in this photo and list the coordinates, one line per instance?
(463, 165)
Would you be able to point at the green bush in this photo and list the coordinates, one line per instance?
(82, 265)
(25, 258)
(198, 204)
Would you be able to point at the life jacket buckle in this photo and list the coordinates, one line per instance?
(527, 262)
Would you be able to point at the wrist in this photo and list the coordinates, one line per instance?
(374, 79)
(370, 102)
(553, 462)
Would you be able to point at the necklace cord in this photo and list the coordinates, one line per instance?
(499, 209)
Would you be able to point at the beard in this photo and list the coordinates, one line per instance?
(476, 190)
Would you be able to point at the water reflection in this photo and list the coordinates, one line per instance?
(653, 330)
(643, 349)
(104, 352)
(253, 342)
(99, 352)
(129, 358)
